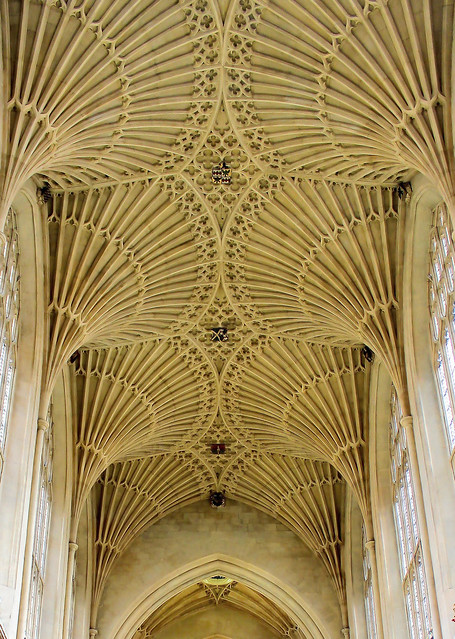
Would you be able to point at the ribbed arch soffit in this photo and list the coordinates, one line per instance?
(306, 496)
(234, 596)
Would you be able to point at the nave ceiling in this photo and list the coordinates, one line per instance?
(320, 108)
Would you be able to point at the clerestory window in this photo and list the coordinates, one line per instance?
(9, 315)
(407, 531)
(442, 307)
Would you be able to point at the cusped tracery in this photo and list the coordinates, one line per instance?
(148, 398)
(105, 90)
(127, 262)
(318, 261)
(293, 398)
(359, 90)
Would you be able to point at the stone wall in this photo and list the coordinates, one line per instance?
(198, 541)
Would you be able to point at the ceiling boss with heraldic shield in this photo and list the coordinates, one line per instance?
(225, 185)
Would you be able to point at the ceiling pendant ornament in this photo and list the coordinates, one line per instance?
(218, 449)
(96, 97)
(221, 169)
(222, 174)
(219, 334)
(217, 458)
(217, 499)
(222, 246)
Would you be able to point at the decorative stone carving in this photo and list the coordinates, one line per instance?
(222, 146)
(296, 257)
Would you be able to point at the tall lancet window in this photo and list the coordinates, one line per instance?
(407, 530)
(442, 305)
(370, 611)
(9, 312)
(43, 516)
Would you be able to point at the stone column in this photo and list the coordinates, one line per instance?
(72, 548)
(31, 524)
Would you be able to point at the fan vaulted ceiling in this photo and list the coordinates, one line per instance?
(233, 596)
(320, 108)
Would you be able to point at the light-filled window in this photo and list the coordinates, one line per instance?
(370, 611)
(407, 530)
(9, 312)
(442, 306)
(43, 515)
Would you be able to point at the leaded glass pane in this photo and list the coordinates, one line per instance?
(407, 531)
(9, 311)
(442, 308)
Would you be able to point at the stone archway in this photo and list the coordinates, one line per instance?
(238, 570)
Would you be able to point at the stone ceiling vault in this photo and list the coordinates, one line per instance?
(234, 596)
(320, 108)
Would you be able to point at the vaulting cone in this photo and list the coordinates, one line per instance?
(221, 174)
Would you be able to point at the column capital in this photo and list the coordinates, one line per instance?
(73, 546)
(370, 545)
(92, 632)
(407, 422)
(43, 424)
(346, 632)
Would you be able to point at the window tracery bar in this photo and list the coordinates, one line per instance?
(370, 611)
(407, 530)
(41, 534)
(442, 309)
(9, 313)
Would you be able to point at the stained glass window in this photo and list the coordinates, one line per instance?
(41, 535)
(442, 307)
(9, 312)
(407, 531)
